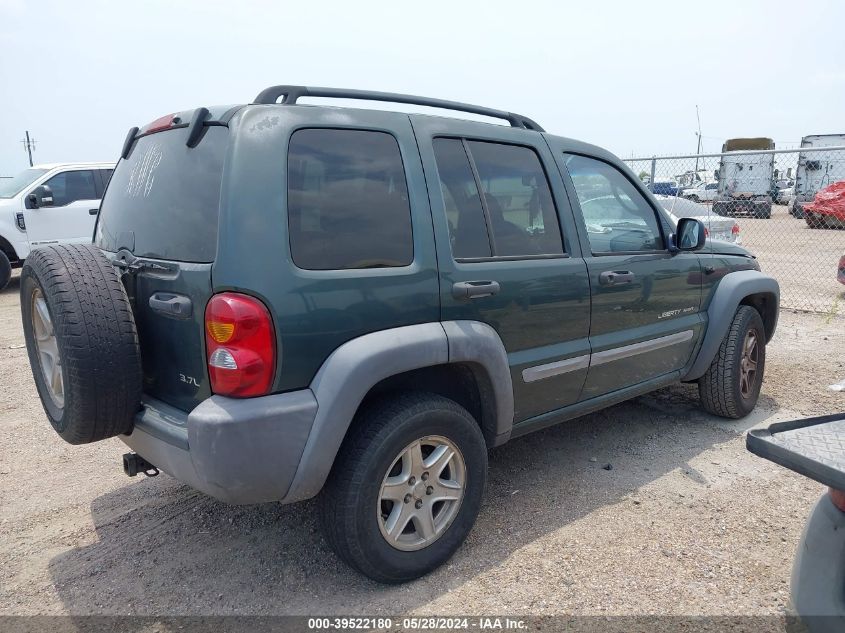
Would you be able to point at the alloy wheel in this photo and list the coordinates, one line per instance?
(421, 493)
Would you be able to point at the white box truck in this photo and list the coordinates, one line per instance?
(746, 181)
(817, 170)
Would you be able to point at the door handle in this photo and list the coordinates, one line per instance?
(474, 289)
(93, 211)
(616, 277)
(177, 306)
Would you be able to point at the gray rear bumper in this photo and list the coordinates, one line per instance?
(239, 451)
(818, 574)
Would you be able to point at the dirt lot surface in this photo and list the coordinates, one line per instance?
(685, 522)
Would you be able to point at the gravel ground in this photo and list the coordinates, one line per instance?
(685, 522)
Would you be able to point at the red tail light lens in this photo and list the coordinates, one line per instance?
(838, 498)
(241, 345)
(706, 232)
(735, 229)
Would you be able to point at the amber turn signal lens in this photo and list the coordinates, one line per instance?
(220, 332)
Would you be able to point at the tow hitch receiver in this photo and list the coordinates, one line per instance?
(134, 464)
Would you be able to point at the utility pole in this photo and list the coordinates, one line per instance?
(29, 145)
(698, 147)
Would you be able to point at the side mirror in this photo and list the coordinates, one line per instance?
(41, 196)
(690, 235)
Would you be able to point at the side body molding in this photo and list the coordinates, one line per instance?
(356, 366)
(727, 296)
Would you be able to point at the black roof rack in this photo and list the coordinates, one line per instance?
(292, 93)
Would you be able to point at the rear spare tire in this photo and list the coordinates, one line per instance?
(82, 342)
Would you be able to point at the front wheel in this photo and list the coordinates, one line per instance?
(731, 386)
(406, 487)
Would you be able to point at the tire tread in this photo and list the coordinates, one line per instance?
(97, 338)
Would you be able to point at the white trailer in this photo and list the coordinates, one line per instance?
(817, 170)
(746, 181)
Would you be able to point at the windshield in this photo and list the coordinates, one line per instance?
(10, 187)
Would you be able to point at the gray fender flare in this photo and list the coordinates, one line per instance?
(355, 367)
(729, 293)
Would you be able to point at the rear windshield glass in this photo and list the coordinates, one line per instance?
(163, 201)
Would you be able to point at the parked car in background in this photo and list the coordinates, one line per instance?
(665, 188)
(702, 192)
(716, 226)
(815, 448)
(48, 204)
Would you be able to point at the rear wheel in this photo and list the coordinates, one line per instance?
(81, 340)
(731, 386)
(405, 488)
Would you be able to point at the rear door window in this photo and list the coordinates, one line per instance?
(519, 202)
(163, 201)
(467, 228)
(514, 214)
(347, 200)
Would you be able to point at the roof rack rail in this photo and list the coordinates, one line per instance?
(292, 93)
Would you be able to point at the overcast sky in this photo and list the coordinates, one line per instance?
(624, 75)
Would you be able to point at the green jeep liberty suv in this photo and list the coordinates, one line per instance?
(283, 300)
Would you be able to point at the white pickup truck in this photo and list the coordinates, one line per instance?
(48, 204)
(702, 192)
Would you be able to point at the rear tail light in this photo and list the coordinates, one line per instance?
(735, 229)
(241, 345)
(838, 498)
(706, 232)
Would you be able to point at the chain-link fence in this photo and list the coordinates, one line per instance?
(769, 202)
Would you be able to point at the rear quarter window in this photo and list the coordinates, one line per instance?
(347, 200)
(163, 200)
